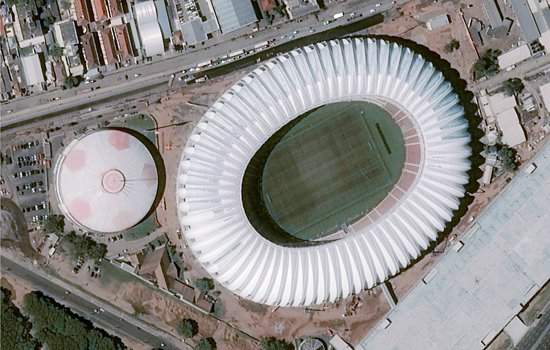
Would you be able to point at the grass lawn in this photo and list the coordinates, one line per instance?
(331, 168)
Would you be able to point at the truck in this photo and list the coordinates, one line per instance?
(236, 53)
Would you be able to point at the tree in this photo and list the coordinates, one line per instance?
(65, 4)
(513, 86)
(272, 343)
(206, 344)
(85, 247)
(204, 284)
(188, 328)
(70, 82)
(452, 45)
(57, 327)
(507, 156)
(54, 224)
(55, 51)
(15, 332)
(487, 65)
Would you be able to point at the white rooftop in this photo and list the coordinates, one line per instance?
(514, 56)
(501, 102)
(545, 41)
(479, 289)
(149, 28)
(512, 132)
(106, 181)
(32, 69)
(545, 94)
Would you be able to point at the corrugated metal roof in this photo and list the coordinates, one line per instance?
(193, 32)
(492, 11)
(32, 69)
(234, 14)
(529, 30)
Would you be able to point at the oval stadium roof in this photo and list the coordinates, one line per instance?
(392, 235)
(106, 181)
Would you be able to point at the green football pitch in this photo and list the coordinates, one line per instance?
(331, 168)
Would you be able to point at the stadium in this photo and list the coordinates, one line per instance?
(323, 172)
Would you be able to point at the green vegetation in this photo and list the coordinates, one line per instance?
(272, 343)
(513, 86)
(188, 328)
(508, 157)
(15, 330)
(58, 328)
(85, 246)
(329, 168)
(54, 224)
(219, 309)
(206, 344)
(139, 308)
(452, 45)
(65, 4)
(55, 51)
(487, 65)
(71, 82)
(204, 284)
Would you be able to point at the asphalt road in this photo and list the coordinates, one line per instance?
(531, 66)
(144, 76)
(111, 319)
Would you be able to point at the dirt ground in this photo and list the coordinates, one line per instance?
(409, 23)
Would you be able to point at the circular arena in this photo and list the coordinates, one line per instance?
(248, 166)
(106, 181)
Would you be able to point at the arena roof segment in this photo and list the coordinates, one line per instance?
(211, 170)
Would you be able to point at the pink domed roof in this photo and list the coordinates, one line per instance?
(106, 181)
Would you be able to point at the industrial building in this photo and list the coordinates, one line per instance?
(234, 14)
(362, 253)
(106, 181)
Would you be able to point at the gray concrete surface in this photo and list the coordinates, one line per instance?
(475, 292)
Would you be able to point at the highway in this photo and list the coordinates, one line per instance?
(111, 319)
(140, 77)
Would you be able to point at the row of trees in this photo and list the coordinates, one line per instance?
(15, 329)
(58, 328)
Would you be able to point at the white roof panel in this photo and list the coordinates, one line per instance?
(514, 56)
(545, 93)
(213, 163)
(512, 132)
(32, 69)
(149, 28)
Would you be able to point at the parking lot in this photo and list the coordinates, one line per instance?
(26, 177)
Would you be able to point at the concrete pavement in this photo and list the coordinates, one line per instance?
(485, 279)
(111, 319)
